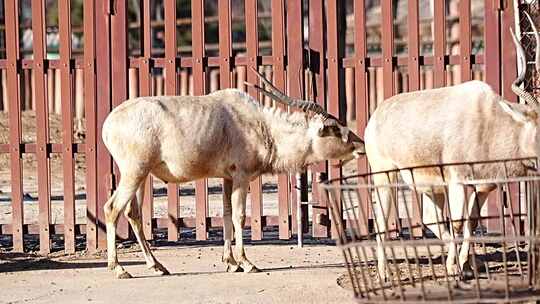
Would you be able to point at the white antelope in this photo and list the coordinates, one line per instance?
(463, 123)
(226, 134)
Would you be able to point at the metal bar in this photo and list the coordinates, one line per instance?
(90, 115)
(199, 88)
(439, 44)
(336, 74)
(362, 94)
(171, 86)
(252, 45)
(103, 89)
(414, 85)
(12, 55)
(317, 59)
(295, 73)
(278, 52)
(465, 39)
(64, 24)
(42, 119)
(145, 89)
(119, 81)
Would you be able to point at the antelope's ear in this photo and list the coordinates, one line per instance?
(519, 113)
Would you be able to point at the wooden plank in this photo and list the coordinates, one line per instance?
(278, 52)
(145, 89)
(103, 89)
(90, 115)
(414, 85)
(199, 88)
(439, 44)
(509, 71)
(171, 88)
(465, 39)
(317, 57)
(119, 83)
(225, 44)
(64, 24)
(362, 98)
(492, 26)
(295, 73)
(12, 80)
(336, 74)
(42, 120)
(387, 32)
(252, 45)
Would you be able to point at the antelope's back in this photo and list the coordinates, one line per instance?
(445, 125)
(180, 129)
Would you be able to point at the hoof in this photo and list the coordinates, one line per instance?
(234, 268)
(160, 270)
(124, 275)
(252, 269)
(467, 272)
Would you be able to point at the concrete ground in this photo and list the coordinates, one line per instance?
(290, 275)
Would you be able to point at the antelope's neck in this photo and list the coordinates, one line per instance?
(290, 145)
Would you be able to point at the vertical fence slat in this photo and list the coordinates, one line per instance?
(42, 120)
(171, 84)
(103, 89)
(387, 40)
(492, 70)
(465, 39)
(64, 24)
(317, 67)
(225, 44)
(439, 44)
(508, 76)
(90, 115)
(278, 54)
(336, 73)
(413, 68)
(145, 89)
(295, 71)
(492, 59)
(119, 85)
(362, 101)
(252, 45)
(199, 88)
(12, 55)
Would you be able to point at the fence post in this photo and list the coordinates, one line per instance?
(91, 128)
(336, 73)
(42, 119)
(199, 88)
(317, 54)
(12, 55)
(103, 90)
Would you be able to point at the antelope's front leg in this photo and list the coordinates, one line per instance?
(239, 194)
(228, 258)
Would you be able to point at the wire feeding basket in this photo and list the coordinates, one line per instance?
(504, 244)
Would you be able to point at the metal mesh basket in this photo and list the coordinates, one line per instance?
(504, 244)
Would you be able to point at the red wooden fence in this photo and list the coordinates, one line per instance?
(318, 47)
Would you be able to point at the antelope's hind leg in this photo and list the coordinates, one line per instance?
(133, 213)
(114, 206)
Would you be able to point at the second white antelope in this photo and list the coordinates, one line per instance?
(463, 123)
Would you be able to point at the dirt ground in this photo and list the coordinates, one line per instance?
(289, 275)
